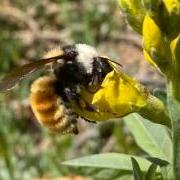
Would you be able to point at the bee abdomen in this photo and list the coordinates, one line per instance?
(49, 108)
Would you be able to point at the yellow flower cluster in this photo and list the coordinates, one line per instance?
(158, 21)
(160, 27)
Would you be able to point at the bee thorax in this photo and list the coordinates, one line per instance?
(86, 56)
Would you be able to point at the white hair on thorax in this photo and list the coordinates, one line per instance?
(85, 56)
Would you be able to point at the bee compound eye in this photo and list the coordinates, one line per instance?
(70, 52)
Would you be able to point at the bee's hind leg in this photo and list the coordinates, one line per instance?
(89, 121)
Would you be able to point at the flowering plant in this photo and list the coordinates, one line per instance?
(158, 21)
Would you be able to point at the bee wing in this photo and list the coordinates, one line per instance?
(20, 73)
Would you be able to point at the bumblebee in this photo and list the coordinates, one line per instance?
(72, 67)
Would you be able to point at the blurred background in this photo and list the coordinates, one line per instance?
(30, 28)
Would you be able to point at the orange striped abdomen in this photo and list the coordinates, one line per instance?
(49, 108)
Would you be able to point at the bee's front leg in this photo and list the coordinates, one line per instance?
(73, 95)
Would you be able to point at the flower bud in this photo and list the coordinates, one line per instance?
(170, 18)
(149, 59)
(135, 13)
(153, 9)
(175, 48)
(152, 5)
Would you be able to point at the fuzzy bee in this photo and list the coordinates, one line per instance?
(73, 67)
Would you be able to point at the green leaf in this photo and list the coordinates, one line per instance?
(152, 138)
(158, 161)
(106, 174)
(126, 177)
(136, 169)
(174, 111)
(167, 172)
(109, 160)
(150, 175)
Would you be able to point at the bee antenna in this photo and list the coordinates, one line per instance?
(107, 59)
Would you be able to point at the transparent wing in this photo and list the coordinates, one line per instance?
(20, 73)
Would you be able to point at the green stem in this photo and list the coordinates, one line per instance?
(156, 111)
(173, 91)
(173, 88)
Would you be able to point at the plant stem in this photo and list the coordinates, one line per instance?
(173, 91)
(173, 88)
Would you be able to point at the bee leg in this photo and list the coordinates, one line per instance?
(74, 116)
(89, 120)
(72, 95)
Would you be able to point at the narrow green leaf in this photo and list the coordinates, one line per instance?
(152, 138)
(136, 169)
(5, 153)
(109, 160)
(174, 111)
(150, 175)
(158, 161)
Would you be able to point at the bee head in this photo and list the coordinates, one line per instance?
(83, 65)
(86, 58)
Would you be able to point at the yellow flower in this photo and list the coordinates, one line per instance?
(118, 96)
(175, 74)
(154, 9)
(156, 45)
(175, 48)
(149, 59)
